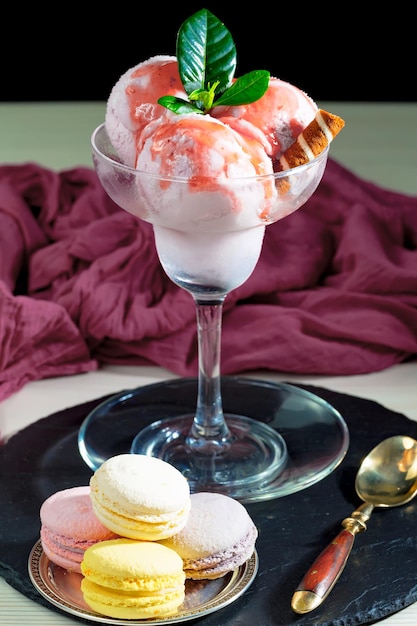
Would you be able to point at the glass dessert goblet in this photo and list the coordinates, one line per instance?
(208, 235)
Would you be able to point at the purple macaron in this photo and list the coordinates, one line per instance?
(218, 537)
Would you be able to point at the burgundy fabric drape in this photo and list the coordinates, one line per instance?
(334, 292)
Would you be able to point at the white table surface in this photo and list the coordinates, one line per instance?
(379, 143)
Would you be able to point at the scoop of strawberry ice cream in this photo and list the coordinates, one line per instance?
(133, 102)
(279, 115)
(210, 152)
(216, 164)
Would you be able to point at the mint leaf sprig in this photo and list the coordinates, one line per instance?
(206, 56)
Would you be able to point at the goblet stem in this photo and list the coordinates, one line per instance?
(228, 453)
(209, 427)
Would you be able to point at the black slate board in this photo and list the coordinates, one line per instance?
(380, 577)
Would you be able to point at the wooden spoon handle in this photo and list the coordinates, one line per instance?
(321, 577)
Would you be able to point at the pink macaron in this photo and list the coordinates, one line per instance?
(69, 526)
(219, 536)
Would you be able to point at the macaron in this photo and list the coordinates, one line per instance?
(69, 526)
(140, 497)
(218, 537)
(128, 579)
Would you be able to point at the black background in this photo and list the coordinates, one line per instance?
(76, 51)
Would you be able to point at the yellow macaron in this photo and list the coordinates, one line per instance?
(128, 579)
(140, 497)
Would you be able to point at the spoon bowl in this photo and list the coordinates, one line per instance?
(387, 477)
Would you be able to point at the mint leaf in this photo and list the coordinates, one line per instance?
(206, 53)
(246, 89)
(206, 56)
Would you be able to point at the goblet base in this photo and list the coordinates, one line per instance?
(315, 434)
(254, 456)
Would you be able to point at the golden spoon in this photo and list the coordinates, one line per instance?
(387, 477)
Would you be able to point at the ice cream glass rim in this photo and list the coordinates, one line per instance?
(112, 159)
